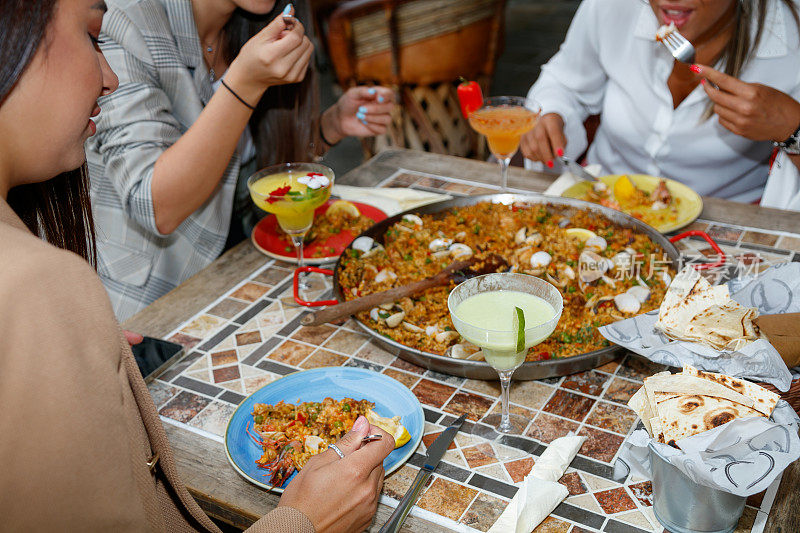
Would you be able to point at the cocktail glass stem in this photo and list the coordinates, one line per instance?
(297, 241)
(505, 385)
(504, 162)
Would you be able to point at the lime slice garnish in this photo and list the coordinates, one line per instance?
(519, 328)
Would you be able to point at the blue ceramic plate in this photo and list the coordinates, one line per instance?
(391, 398)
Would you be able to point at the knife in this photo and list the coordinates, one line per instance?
(434, 455)
(577, 170)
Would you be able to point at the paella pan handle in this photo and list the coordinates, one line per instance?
(296, 286)
(721, 258)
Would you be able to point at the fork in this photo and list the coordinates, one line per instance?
(681, 49)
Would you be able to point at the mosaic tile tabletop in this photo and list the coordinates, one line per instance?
(252, 336)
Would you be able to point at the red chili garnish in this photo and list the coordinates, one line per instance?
(280, 191)
(469, 97)
(544, 355)
(313, 174)
(301, 417)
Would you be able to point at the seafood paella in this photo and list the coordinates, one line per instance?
(604, 272)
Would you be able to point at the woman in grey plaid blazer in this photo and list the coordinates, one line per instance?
(208, 93)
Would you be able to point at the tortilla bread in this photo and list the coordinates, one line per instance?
(675, 384)
(687, 415)
(764, 400)
(723, 326)
(641, 407)
(688, 294)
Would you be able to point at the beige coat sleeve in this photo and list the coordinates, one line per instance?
(283, 520)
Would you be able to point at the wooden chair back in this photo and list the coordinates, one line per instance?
(419, 47)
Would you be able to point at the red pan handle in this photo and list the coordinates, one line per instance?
(296, 287)
(697, 233)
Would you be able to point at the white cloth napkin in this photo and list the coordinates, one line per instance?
(539, 492)
(390, 200)
(568, 179)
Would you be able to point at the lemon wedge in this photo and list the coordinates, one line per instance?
(582, 234)
(392, 426)
(624, 189)
(343, 206)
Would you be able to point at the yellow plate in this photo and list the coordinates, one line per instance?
(689, 207)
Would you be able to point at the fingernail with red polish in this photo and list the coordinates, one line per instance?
(703, 81)
(695, 68)
(560, 152)
(550, 164)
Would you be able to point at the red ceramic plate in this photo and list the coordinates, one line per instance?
(268, 238)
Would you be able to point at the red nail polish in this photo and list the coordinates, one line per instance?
(703, 81)
(560, 152)
(550, 164)
(696, 69)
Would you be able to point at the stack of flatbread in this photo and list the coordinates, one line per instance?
(676, 406)
(695, 311)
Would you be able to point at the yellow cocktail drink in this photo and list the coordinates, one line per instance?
(294, 208)
(503, 126)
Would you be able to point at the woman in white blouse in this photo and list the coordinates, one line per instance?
(656, 116)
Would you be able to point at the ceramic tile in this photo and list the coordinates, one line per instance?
(291, 353)
(250, 292)
(546, 428)
(724, 233)
(455, 457)
(552, 525)
(225, 357)
(227, 373)
(202, 374)
(432, 393)
(483, 512)
(248, 337)
(764, 239)
(600, 445)
(487, 388)
(322, 358)
(202, 326)
(234, 385)
(573, 482)
(226, 344)
(447, 498)
(651, 517)
(214, 418)
(254, 383)
(374, 353)
(479, 455)
(612, 417)
(596, 483)
(187, 341)
(638, 368)
(315, 335)
(509, 453)
(161, 392)
(635, 518)
(458, 188)
(403, 377)
(585, 501)
(227, 308)
(746, 521)
(756, 499)
(788, 243)
(569, 405)
(397, 483)
(590, 382)
(272, 276)
(529, 393)
(345, 342)
(184, 406)
(200, 364)
(643, 492)
(620, 390)
(473, 404)
(520, 468)
(496, 472)
(614, 500)
(408, 367)
(516, 410)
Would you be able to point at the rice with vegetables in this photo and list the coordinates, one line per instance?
(604, 272)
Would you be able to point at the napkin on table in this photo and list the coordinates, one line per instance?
(390, 200)
(568, 179)
(539, 493)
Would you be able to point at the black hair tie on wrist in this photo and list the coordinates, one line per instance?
(322, 136)
(236, 95)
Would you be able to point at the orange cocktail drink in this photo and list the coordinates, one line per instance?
(503, 120)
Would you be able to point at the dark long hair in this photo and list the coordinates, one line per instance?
(58, 210)
(284, 125)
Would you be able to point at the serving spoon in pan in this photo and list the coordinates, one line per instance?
(457, 271)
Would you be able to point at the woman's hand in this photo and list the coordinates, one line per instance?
(132, 338)
(360, 112)
(546, 140)
(277, 55)
(342, 494)
(752, 110)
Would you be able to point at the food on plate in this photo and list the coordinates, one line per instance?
(605, 272)
(392, 426)
(676, 406)
(693, 310)
(340, 216)
(656, 207)
(290, 434)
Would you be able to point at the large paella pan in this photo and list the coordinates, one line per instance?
(607, 264)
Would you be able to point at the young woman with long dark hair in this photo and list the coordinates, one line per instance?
(210, 91)
(83, 447)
